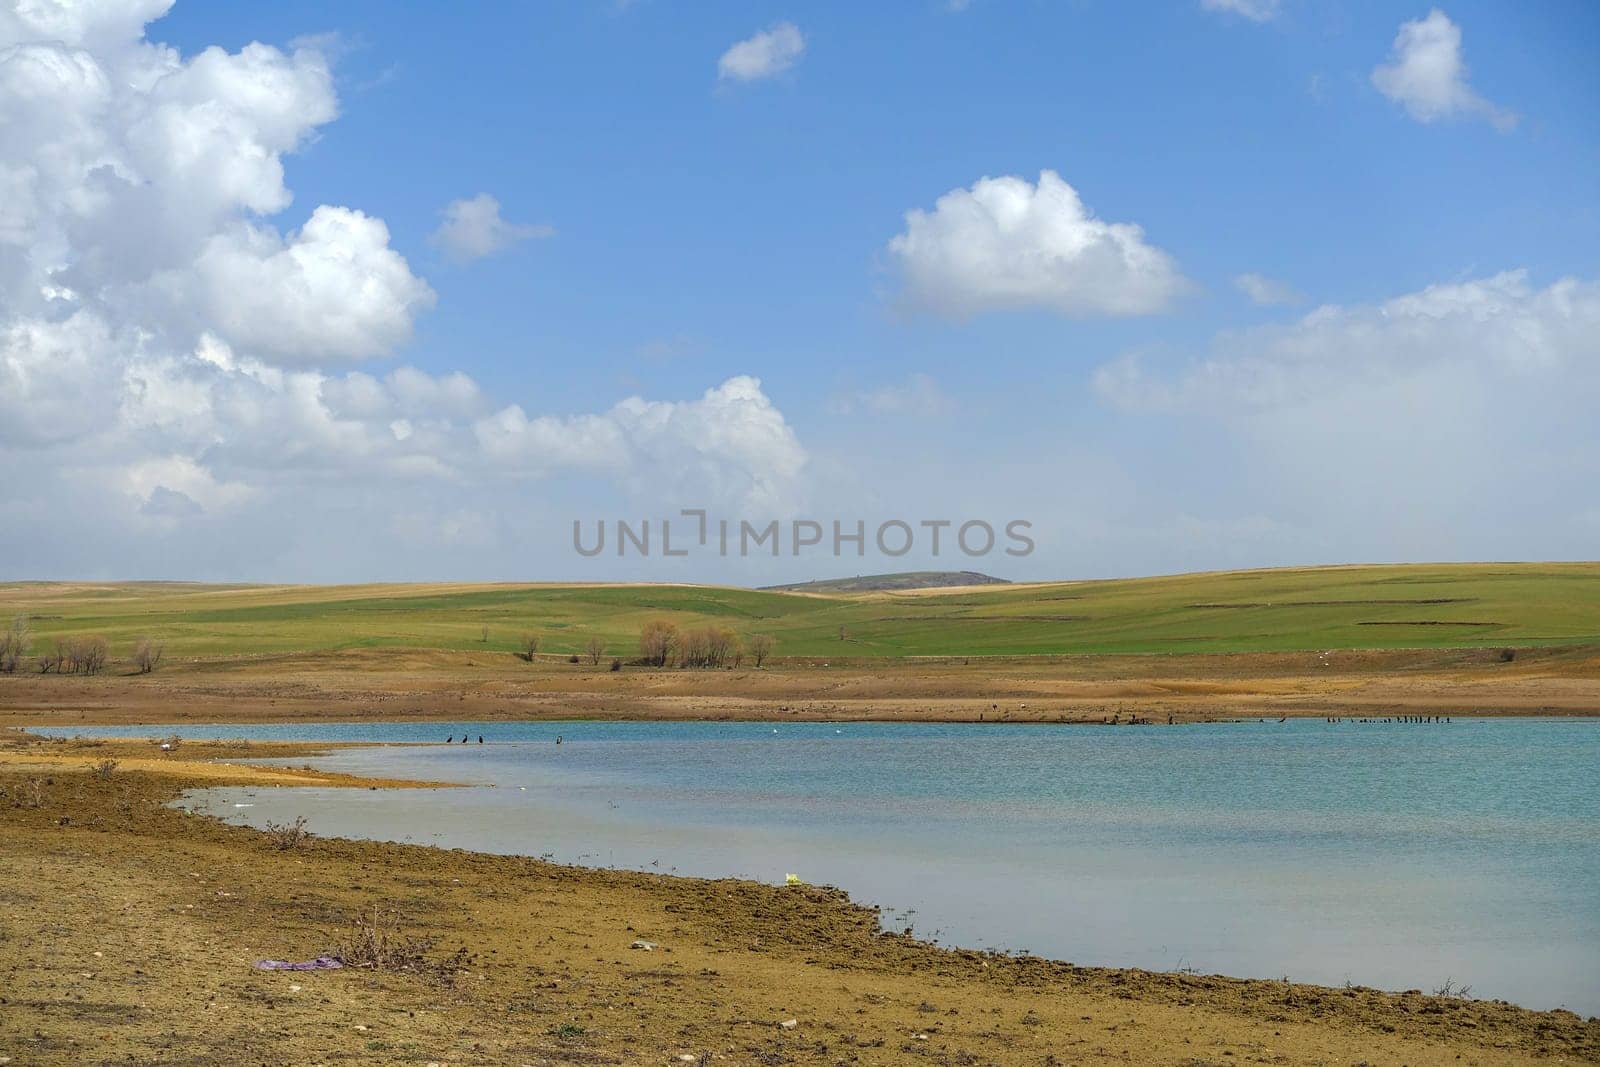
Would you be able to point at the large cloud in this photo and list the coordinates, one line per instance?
(1499, 326)
(1455, 422)
(1006, 244)
(174, 332)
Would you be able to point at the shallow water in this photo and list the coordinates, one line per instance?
(1388, 855)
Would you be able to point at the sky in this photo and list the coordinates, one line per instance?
(299, 292)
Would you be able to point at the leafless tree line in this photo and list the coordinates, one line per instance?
(72, 654)
(664, 644)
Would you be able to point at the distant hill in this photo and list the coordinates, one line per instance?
(868, 583)
(1427, 605)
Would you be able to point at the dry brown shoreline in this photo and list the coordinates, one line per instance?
(130, 929)
(395, 684)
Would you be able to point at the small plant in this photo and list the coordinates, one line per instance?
(378, 943)
(30, 794)
(567, 1031)
(616, 664)
(289, 836)
(1455, 992)
(1507, 655)
(105, 769)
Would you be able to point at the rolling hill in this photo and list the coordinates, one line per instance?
(1362, 607)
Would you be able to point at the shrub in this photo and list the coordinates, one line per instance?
(105, 769)
(147, 655)
(380, 944)
(616, 664)
(289, 836)
(1507, 655)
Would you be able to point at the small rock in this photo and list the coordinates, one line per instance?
(789, 1024)
(294, 989)
(648, 946)
(363, 1027)
(687, 1057)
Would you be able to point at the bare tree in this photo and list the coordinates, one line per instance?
(659, 642)
(530, 646)
(14, 644)
(82, 655)
(760, 648)
(483, 633)
(844, 635)
(147, 654)
(596, 649)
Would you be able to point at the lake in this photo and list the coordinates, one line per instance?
(1389, 855)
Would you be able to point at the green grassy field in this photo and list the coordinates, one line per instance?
(1413, 606)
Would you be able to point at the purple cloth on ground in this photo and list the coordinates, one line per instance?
(321, 963)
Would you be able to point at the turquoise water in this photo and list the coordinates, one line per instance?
(1383, 854)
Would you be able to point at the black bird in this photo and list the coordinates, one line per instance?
(450, 740)
(480, 739)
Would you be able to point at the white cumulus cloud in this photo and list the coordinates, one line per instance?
(473, 228)
(1006, 243)
(332, 291)
(763, 55)
(1427, 75)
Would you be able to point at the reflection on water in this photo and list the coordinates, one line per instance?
(1388, 855)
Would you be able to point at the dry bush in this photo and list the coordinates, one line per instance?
(616, 664)
(30, 794)
(596, 648)
(147, 654)
(14, 644)
(709, 646)
(105, 769)
(760, 648)
(289, 836)
(530, 646)
(379, 943)
(658, 642)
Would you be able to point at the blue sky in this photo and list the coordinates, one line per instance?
(706, 227)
